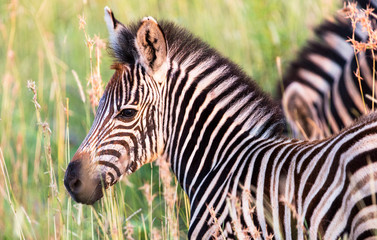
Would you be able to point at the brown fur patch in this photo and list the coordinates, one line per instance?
(117, 66)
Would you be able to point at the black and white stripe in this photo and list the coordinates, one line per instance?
(321, 91)
(221, 134)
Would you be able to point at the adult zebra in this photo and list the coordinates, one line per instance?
(321, 93)
(173, 95)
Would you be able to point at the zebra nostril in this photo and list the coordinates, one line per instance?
(75, 185)
(73, 176)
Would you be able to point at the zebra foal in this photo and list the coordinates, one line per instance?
(172, 95)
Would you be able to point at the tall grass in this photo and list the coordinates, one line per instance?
(51, 77)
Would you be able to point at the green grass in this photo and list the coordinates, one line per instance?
(41, 41)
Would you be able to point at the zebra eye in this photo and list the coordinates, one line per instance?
(127, 113)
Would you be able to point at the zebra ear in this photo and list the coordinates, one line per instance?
(151, 45)
(114, 27)
(301, 115)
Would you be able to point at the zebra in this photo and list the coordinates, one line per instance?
(321, 93)
(175, 97)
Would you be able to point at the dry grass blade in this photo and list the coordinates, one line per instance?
(365, 18)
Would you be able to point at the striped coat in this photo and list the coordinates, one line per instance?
(322, 93)
(172, 95)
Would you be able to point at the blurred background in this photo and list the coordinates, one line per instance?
(53, 68)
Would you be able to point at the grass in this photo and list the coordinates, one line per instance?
(44, 116)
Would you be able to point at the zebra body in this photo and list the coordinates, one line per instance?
(312, 176)
(322, 94)
(174, 96)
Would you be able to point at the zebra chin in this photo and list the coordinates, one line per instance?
(84, 183)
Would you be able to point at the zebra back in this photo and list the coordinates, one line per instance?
(321, 90)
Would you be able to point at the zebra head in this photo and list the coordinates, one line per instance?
(125, 133)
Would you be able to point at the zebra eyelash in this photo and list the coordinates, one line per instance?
(127, 113)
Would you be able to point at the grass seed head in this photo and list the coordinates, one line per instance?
(82, 22)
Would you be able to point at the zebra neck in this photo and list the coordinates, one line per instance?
(210, 108)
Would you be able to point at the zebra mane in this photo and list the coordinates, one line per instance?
(179, 40)
(181, 43)
(363, 120)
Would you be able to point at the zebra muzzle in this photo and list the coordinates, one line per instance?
(83, 183)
